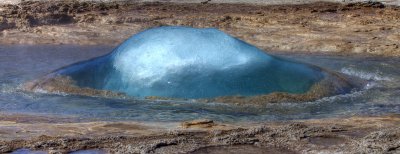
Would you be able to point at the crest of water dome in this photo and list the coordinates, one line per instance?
(184, 62)
(174, 49)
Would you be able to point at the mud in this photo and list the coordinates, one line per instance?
(334, 28)
(379, 135)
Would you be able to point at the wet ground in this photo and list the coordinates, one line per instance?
(330, 135)
(65, 118)
(351, 28)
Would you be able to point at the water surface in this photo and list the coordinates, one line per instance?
(21, 63)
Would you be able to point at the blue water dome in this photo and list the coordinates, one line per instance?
(191, 63)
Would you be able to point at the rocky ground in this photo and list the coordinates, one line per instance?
(348, 135)
(352, 28)
(332, 28)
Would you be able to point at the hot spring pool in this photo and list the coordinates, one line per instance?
(22, 63)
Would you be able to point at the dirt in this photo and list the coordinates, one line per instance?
(202, 123)
(382, 135)
(333, 28)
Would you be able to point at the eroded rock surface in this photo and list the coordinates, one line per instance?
(348, 135)
(355, 28)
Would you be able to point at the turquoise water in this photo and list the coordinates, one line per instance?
(21, 63)
(184, 62)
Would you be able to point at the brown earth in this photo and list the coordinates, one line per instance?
(348, 135)
(333, 28)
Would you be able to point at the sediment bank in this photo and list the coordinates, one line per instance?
(346, 135)
(333, 28)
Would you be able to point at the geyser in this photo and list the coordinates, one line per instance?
(190, 63)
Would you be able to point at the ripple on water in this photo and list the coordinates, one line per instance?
(36, 61)
(28, 151)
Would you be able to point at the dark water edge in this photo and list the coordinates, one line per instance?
(242, 149)
(28, 151)
(21, 63)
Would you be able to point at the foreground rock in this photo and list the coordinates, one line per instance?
(357, 28)
(349, 135)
